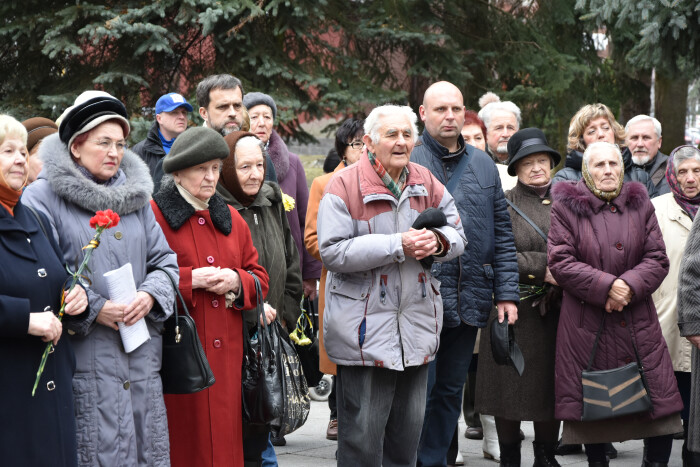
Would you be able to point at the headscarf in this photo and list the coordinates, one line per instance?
(229, 175)
(604, 195)
(689, 205)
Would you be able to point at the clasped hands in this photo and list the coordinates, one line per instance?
(216, 280)
(419, 244)
(113, 313)
(619, 296)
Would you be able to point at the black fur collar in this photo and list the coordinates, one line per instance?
(177, 211)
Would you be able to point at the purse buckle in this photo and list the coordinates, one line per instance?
(178, 336)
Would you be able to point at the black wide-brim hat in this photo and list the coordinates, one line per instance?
(526, 142)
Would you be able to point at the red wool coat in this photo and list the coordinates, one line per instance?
(206, 427)
(591, 243)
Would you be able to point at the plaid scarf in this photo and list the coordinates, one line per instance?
(604, 195)
(689, 205)
(394, 187)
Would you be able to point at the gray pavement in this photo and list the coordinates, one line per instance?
(308, 447)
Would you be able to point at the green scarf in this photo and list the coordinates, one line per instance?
(394, 187)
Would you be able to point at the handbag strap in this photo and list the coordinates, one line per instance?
(38, 219)
(597, 338)
(529, 221)
(180, 298)
(451, 184)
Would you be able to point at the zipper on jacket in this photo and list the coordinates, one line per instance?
(459, 258)
(255, 217)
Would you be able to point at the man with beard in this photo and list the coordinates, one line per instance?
(220, 101)
(502, 120)
(643, 141)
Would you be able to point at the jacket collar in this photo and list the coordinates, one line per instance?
(675, 213)
(439, 150)
(372, 187)
(269, 193)
(279, 154)
(177, 211)
(579, 199)
(129, 193)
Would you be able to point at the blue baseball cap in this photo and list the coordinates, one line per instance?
(170, 102)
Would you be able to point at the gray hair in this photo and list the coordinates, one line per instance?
(486, 113)
(599, 146)
(373, 120)
(251, 141)
(682, 154)
(642, 118)
(210, 83)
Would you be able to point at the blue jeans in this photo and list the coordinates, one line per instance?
(269, 458)
(446, 377)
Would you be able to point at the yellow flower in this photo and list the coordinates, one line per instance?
(288, 202)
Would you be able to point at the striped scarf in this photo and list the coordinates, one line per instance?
(394, 187)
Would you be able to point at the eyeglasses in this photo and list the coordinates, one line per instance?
(355, 144)
(106, 144)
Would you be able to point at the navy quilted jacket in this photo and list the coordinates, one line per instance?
(488, 268)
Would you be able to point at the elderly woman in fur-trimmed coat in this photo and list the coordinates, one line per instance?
(119, 408)
(606, 251)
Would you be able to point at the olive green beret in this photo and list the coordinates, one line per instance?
(195, 146)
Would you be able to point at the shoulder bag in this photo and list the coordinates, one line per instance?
(616, 392)
(185, 368)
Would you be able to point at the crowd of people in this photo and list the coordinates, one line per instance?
(456, 272)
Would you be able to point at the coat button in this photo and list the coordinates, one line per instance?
(41, 272)
(546, 201)
(29, 240)
(628, 361)
(613, 208)
(118, 235)
(217, 343)
(623, 323)
(127, 384)
(201, 221)
(618, 245)
(215, 303)
(530, 276)
(50, 385)
(210, 259)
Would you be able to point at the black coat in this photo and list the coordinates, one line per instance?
(36, 430)
(152, 153)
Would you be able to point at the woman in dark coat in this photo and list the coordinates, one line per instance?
(214, 252)
(607, 253)
(37, 430)
(242, 185)
(500, 390)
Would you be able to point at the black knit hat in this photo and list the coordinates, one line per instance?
(195, 146)
(529, 141)
(89, 110)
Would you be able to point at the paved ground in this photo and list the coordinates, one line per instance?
(308, 447)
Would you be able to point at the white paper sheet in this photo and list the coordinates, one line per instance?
(122, 290)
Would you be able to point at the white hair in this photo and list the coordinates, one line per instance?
(373, 121)
(250, 141)
(600, 146)
(682, 154)
(487, 111)
(642, 118)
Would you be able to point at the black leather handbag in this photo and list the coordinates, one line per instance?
(185, 368)
(615, 392)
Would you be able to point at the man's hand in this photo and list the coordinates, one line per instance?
(419, 244)
(507, 307)
(139, 308)
(310, 288)
(695, 340)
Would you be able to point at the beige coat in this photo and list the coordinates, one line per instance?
(675, 225)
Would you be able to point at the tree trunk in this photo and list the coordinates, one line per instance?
(670, 102)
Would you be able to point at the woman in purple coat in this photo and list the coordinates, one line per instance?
(606, 251)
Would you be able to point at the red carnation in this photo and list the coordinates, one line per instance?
(104, 219)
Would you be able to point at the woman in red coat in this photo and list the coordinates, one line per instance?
(606, 251)
(214, 251)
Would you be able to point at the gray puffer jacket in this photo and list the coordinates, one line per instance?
(119, 406)
(382, 308)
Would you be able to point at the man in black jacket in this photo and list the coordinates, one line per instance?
(171, 120)
(643, 141)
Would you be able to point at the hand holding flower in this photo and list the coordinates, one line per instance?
(76, 301)
(45, 325)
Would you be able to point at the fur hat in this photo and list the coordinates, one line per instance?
(89, 110)
(38, 128)
(252, 99)
(195, 146)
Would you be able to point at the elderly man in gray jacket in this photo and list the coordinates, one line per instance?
(381, 224)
